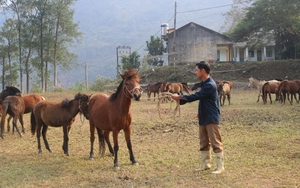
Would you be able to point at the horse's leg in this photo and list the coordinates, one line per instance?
(224, 97)
(259, 93)
(22, 123)
(38, 136)
(92, 139)
(15, 125)
(8, 125)
(127, 132)
(44, 134)
(66, 139)
(228, 97)
(116, 148)
(270, 98)
(106, 135)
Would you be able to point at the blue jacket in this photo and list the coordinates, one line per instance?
(208, 107)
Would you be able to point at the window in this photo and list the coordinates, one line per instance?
(269, 52)
(251, 53)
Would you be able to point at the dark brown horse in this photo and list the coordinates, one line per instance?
(291, 88)
(112, 113)
(15, 107)
(224, 89)
(48, 113)
(153, 88)
(268, 88)
(9, 90)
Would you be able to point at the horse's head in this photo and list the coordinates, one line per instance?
(9, 90)
(163, 87)
(250, 82)
(131, 86)
(83, 104)
(220, 88)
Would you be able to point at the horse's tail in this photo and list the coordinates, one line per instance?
(3, 117)
(33, 123)
(101, 141)
(263, 92)
(186, 88)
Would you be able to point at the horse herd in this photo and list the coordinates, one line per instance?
(283, 89)
(224, 89)
(106, 113)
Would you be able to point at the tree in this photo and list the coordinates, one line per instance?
(155, 50)
(131, 62)
(9, 36)
(271, 20)
(45, 33)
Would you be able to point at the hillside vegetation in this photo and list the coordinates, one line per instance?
(239, 71)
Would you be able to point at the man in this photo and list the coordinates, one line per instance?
(208, 116)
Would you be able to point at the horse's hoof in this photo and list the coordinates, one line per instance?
(116, 168)
(67, 154)
(91, 158)
(135, 164)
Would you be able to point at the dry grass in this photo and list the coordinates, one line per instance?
(261, 150)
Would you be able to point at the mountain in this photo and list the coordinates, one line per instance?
(107, 24)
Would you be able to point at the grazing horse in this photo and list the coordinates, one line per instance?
(287, 87)
(153, 88)
(268, 88)
(48, 113)
(14, 106)
(224, 89)
(112, 113)
(258, 84)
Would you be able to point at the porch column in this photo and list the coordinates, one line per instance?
(265, 54)
(247, 54)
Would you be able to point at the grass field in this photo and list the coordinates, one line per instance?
(261, 144)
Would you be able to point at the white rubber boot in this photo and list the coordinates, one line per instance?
(205, 159)
(220, 163)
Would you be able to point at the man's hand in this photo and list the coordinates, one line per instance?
(175, 97)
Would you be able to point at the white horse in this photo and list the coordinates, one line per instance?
(258, 84)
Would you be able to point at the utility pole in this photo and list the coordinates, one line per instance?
(86, 75)
(175, 35)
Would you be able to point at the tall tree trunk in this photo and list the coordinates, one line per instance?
(3, 72)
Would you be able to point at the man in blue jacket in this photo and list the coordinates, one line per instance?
(208, 116)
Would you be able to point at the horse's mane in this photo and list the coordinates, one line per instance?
(128, 75)
(114, 95)
(66, 102)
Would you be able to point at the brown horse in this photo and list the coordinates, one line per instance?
(171, 87)
(287, 87)
(48, 113)
(30, 101)
(153, 88)
(224, 89)
(112, 113)
(268, 88)
(15, 107)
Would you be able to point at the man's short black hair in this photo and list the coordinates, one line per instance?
(204, 65)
